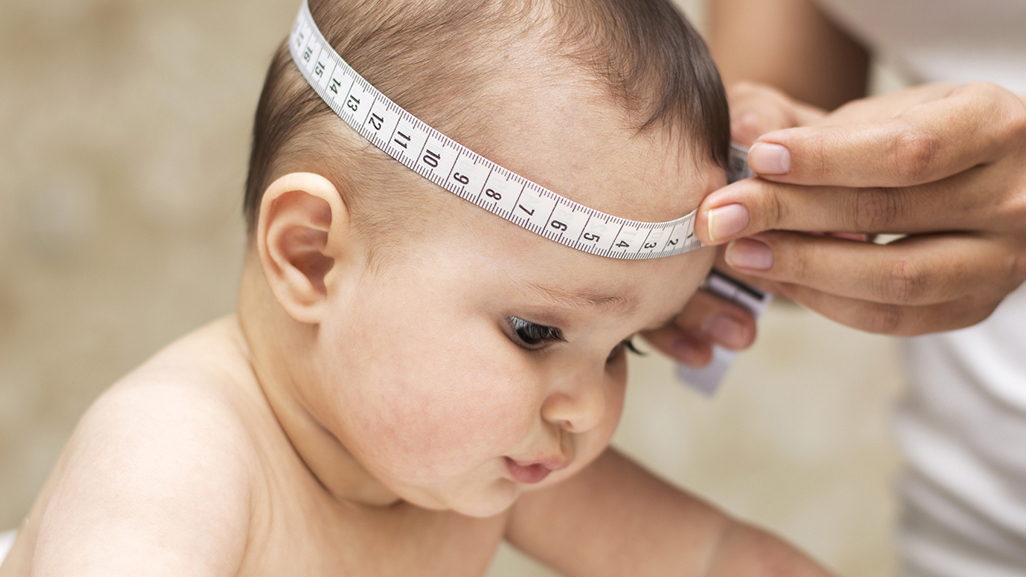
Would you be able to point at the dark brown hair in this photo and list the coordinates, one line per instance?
(433, 57)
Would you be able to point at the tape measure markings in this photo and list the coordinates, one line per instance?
(467, 174)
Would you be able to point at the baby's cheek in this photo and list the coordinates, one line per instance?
(443, 418)
(595, 443)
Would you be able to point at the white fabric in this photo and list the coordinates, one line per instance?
(962, 431)
(962, 424)
(6, 542)
(943, 40)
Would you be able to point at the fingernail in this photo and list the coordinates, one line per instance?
(726, 331)
(726, 221)
(764, 158)
(750, 254)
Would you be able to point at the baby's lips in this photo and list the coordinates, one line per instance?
(536, 470)
(529, 473)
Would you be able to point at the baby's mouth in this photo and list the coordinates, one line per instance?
(533, 471)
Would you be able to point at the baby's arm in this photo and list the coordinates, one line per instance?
(614, 518)
(153, 482)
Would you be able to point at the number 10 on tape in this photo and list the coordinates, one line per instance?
(463, 172)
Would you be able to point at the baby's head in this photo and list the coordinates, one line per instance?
(415, 346)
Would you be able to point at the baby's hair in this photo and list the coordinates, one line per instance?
(438, 59)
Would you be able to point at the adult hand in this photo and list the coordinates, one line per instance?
(708, 319)
(756, 109)
(944, 165)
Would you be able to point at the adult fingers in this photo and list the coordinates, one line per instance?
(918, 270)
(889, 319)
(681, 346)
(756, 109)
(887, 106)
(706, 320)
(763, 284)
(750, 206)
(967, 126)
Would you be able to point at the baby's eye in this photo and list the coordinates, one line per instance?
(533, 336)
(627, 344)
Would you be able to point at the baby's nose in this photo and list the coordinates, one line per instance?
(578, 405)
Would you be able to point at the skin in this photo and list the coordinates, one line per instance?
(357, 419)
(944, 165)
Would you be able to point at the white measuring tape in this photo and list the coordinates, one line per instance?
(469, 175)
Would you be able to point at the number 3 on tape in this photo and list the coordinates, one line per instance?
(474, 178)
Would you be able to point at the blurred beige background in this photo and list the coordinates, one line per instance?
(124, 129)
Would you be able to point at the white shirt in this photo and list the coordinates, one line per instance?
(962, 425)
(943, 40)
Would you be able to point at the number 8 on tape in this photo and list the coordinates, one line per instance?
(474, 178)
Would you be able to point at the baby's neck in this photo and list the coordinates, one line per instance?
(330, 463)
(278, 348)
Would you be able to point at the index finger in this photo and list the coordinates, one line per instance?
(923, 143)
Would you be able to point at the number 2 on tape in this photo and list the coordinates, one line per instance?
(474, 178)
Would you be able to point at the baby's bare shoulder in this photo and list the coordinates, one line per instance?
(194, 395)
(158, 471)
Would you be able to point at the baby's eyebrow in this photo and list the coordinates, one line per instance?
(586, 299)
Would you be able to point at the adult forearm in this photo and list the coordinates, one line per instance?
(788, 44)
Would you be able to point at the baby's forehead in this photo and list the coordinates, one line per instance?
(644, 293)
(557, 127)
(553, 120)
(571, 137)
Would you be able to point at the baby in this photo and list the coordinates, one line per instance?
(409, 379)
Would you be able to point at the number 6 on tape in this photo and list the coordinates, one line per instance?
(466, 174)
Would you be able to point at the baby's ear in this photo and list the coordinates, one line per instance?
(302, 233)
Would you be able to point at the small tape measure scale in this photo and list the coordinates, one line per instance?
(474, 178)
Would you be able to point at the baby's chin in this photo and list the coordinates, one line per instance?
(489, 500)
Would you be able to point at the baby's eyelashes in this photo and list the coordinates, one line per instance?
(627, 344)
(533, 336)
